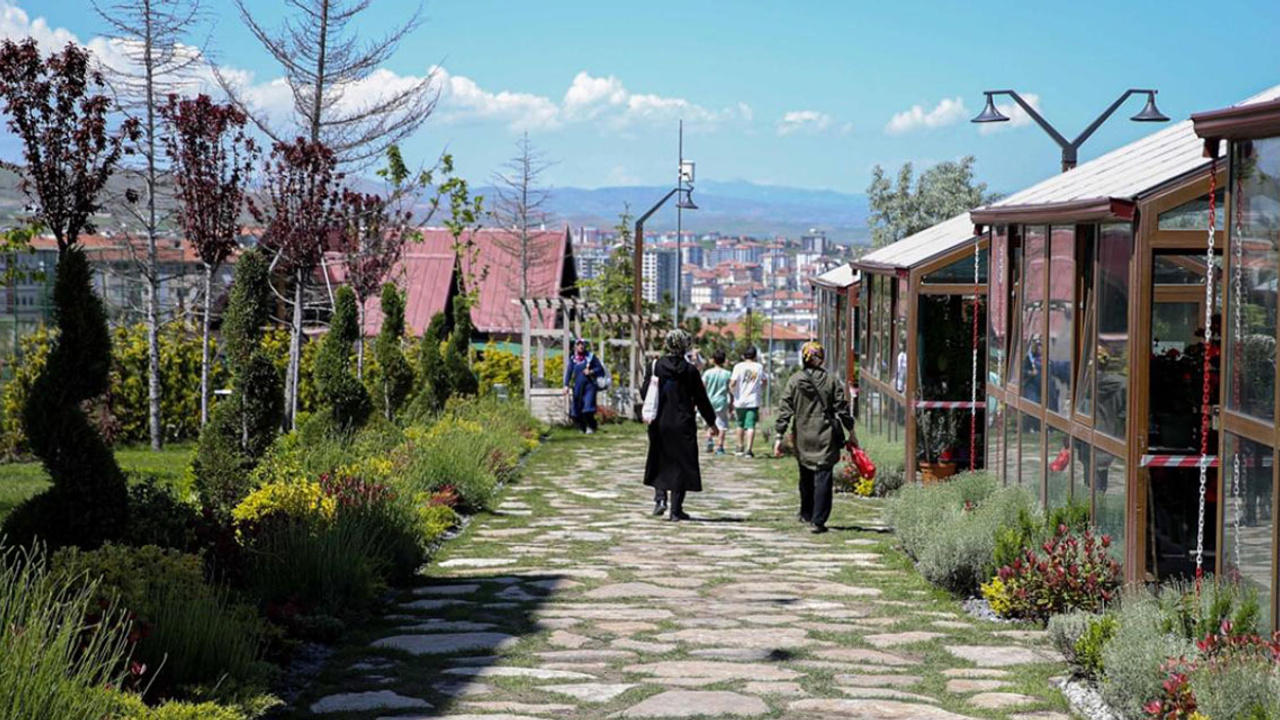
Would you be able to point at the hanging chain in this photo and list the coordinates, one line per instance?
(1237, 267)
(1205, 397)
(973, 391)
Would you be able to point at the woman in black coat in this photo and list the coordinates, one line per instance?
(672, 464)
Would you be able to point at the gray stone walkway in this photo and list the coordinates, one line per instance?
(571, 601)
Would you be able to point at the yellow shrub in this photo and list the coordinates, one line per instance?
(301, 500)
(864, 487)
(998, 595)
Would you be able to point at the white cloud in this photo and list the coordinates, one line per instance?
(1012, 110)
(16, 24)
(604, 101)
(806, 121)
(948, 111)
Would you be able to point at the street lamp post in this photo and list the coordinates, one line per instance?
(1070, 148)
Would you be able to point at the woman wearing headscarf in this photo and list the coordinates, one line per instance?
(815, 402)
(580, 372)
(672, 464)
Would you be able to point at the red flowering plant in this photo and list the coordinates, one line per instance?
(356, 493)
(1070, 571)
(1176, 701)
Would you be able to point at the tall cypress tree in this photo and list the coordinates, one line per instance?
(243, 426)
(340, 392)
(432, 382)
(462, 381)
(395, 373)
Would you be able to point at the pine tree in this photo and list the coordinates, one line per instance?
(340, 392)
(395, 375)
(433, 383)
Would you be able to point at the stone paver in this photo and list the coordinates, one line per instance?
(572, 601)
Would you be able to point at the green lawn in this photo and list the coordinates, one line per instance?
(19, 481)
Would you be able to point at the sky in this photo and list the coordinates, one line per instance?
(809, 93)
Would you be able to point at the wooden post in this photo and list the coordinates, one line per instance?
(524, 352)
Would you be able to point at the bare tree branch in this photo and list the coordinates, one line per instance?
(520, 208)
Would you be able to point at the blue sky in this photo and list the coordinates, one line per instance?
(793, 93)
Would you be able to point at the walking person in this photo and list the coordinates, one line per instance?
(716, 380)
(814, 408)
(580, 373)
(747, 381)
(671, 467)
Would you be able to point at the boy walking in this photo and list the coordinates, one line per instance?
(747, 381)
(716, 378)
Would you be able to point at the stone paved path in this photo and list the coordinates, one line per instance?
(571, 601)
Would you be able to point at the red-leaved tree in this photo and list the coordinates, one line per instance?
(57, 109)
(211, 160)
(373, 236)
(301, 212)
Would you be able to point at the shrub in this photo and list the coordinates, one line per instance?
(294, 502)
(387, 518)
(185, 631)
(1065, 630)
(329, 567)
(1133, 658)
(59, 645)
(433, 382)
(88, 503)
(180, 357)
(959, 553)
(434, 519)
(34, 350)
(919, 509)
(451, 453)
(1193, 614)
(1240, 678)
(131, 707)
(890, 459)
(1068, 572)
(158, 517)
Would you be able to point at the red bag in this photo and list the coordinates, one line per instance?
(862, 462)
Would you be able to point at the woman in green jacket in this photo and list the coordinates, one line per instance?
(815, 410)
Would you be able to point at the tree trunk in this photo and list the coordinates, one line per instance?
(293, 378)
(360, 342)
(204, 346)
(152, 273)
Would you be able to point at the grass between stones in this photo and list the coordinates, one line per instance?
(571, 565)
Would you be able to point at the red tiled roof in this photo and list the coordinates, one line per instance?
(426, 272)
(780, 332)
(115, 248)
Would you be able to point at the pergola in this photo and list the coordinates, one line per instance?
(916, 352)
(560, 321)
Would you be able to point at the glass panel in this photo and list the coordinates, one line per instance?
(1062, 278)
(900, 339)
(1174, 326)
(1109, 499)
(944, 347)
(1031, 347)
(1087, 310)
(1178, 270)
(1256, 217)
(998, 297)
(1015, 309)
(960, 271)
(995, 436)
(886, 323)
(1058, 469)
(1246, 556)
(1084, 384)
(1031, 464)
(1192, 215)
(873, 324)
(1114, 249)
(1011, 447)
(1080, 473)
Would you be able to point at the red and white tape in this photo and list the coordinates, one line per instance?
(948, 405)
(1176, 461)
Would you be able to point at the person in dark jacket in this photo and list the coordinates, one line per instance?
(672, 464)
(580, 372)
(815, 403)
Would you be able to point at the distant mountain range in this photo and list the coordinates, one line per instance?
(737, 207)
(733, 208)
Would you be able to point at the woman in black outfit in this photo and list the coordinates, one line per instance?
(672, 464)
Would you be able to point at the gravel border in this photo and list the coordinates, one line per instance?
(1084, 699)
(981, 609)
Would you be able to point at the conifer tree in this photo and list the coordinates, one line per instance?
(340, 392)
(433, 384)
(462, 381)
(395, 375)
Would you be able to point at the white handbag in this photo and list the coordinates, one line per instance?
(650, 411)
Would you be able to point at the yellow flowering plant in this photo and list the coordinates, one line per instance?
(298, 500)
(998, 595)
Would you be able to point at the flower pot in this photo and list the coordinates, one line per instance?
(935, 472)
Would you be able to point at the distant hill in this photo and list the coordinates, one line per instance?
(736, 207)
(733, 208)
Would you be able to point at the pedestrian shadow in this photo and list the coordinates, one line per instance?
(878, 529)
(444, 640)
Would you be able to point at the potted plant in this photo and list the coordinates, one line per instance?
(937, 438)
